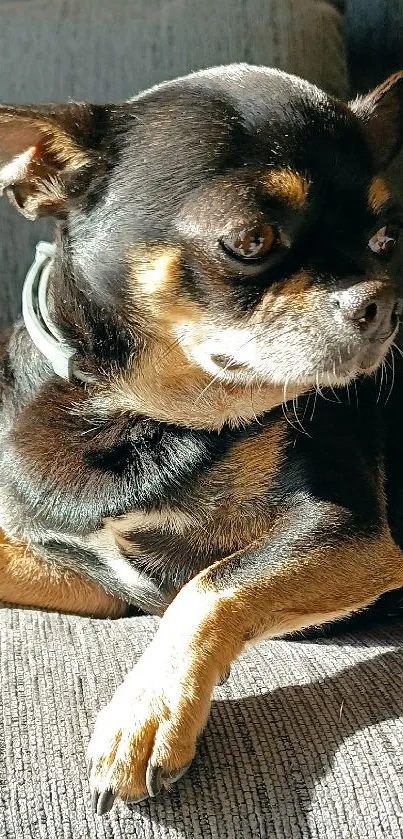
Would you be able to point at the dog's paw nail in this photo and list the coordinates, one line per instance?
(94, 800)
(173, 777)
(102, 802)
(154, 780)
(224, 678)
(157, 779)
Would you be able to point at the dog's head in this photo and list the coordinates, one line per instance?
(233, 225)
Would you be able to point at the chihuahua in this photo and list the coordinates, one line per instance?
(179, 433)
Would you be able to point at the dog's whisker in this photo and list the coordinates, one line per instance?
(223, 370)
(308, 397)
(295, 408)
(381, 383)
(284, 409)
(330, 386)
(284, 404)
(166, 352)
(251, 400)
(314, 404)
(211, 383)
(356, 391)
(319, 388)
(393, 377)
(286, 417)
(394, 346)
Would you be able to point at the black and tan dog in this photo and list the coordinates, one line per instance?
(225, 244)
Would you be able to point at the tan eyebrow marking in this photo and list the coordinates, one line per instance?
(154, 269)
(378, 194)
(288, 186)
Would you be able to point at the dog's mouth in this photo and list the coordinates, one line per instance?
(345, 365)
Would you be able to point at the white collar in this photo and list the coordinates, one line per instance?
(45, 335)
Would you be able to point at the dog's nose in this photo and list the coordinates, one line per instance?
(372, 306)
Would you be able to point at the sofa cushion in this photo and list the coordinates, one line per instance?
(53, 50)
(304, 740)
(374, 32)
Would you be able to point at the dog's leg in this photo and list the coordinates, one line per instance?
(27, 580)
(317, 566)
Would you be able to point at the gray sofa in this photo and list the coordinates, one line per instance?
(305, 739)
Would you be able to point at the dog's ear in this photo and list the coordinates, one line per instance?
(47, 154)
(381, 112)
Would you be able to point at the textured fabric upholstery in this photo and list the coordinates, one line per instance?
(304, 740)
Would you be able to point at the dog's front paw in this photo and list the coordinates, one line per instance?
(145, 738)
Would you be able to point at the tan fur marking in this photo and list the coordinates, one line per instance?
(165, 520)
(154, 269)
(168, 388)
(298, 283)
(378, 194)
(250, 465)
(26, 580)
(323, 584)
(287, 186)
(285, 298)
(155, 273)
(239, 482)
(158, 712)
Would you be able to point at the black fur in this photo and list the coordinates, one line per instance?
(171, 169)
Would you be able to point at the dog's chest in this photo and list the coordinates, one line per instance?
(225, 507)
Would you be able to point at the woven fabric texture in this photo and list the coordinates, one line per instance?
(304, 740)
(100, 51)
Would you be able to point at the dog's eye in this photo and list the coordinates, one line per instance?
(384, 240)
(251, 243)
